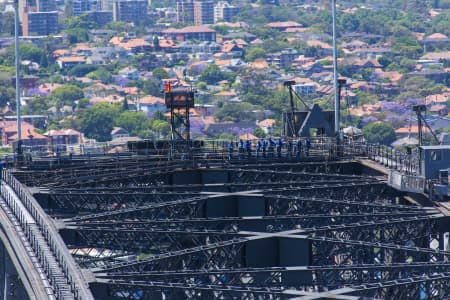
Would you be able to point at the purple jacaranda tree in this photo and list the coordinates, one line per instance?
(247, 130)
(34, 92)
(367, 120)
(412, 101)
(394, 107)
(197, 125)
(397, 120)
(121, 81)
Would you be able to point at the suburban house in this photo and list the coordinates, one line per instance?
(201, 33)
(67, 62)
(118, 132)
(151, 104)
(60, 139)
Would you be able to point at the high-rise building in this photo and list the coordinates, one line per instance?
(223, 11)
(100, 17)
(130, 10)
(46, 5)
(95, 5)
(83, 6)
(185, 11)
(40, 23)
(107, 4)
(80, 6)
(203, 12)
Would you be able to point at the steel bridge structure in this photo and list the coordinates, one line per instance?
(143, 227)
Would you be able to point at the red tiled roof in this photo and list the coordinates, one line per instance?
(72, 59)
(151, 100)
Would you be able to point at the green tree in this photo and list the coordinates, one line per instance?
(161, 127)
(381, 133)
(201, 85)
(222, 29)
(415, 87)
(98, 121)
(384, 61)
(152, 87)
(160, 73)
(212, 74)
(101, 74)
(258, 132)
(77, 35)
(133, 121)
(67, 94)
(81, 70)
(120, 26)
(241, 111)
(37, 105)
(7, 95)
(254, 52)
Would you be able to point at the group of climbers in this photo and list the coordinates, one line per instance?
(269, 148)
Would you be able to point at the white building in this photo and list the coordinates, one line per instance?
(304, 88)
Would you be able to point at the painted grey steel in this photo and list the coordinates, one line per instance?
(17, 56)
(244, 228)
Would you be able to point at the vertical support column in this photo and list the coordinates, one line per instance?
(16, 40)
(2, 271)
(337, 107)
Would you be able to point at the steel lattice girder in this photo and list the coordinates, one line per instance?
(264, 224)
(165, 175)
(121, 289)
(299, 277)
(193, 232)
(72, 201)
(433, 286)
(273, 205)
(231, 254)
(52, 172)
(155, 241)
(58, 174)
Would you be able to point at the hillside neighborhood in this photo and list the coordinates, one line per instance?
(93, 82)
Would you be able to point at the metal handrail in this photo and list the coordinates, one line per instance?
(54, 242)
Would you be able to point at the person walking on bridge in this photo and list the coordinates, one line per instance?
(298, 149)
(279, 145)
(241, 149)
(258, 148)
(230, 150)
(248, 147)
(264, 147)
(308, 146)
